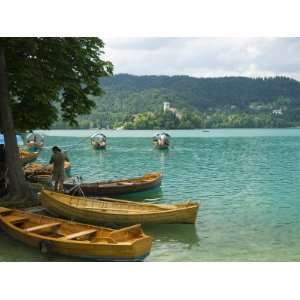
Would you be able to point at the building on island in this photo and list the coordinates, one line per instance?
(277, 112)
(167, 107)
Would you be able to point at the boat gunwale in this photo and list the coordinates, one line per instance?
(156, 178)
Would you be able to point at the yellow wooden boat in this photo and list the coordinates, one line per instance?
(113, 211)
(28, 157)
(75, 239)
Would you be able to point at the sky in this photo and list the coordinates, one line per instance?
(205, 57)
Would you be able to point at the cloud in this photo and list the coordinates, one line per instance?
(205, 57)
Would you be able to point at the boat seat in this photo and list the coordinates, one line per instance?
(42, 226)
(125, 183)
(15, 219)
(78, 234)
(4, 210)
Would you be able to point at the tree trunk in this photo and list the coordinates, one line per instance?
(18, 188)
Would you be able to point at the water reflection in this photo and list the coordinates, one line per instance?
(13, 250)
(162, 154)
(181, 233)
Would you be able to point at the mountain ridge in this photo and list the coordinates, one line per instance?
(128, 95)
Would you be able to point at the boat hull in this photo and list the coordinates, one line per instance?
(162, 146)
(34, 147)
(98, 147)
(114, 188)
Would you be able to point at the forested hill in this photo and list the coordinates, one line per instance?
(205, 93)
(209, 100)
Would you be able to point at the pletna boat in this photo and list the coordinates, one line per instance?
(114, 187)
(98, 141)
(114, 211)
(34, 142)
(28, 157)
(75, 239)
(161, 140)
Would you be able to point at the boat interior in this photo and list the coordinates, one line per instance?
(67, 231)
(145, 179)
(114, 205)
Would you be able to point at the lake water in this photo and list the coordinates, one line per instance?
(246, 180)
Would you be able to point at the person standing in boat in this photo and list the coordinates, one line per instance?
(58, 159)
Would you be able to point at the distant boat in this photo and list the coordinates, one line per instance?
(34, 142)
(205, 130)
(76, 239)
(162, 140)
(98, 141)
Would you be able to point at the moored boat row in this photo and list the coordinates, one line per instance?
(160, 140)
(64, 236)
(98, 243)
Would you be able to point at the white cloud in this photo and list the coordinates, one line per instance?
(205, 57)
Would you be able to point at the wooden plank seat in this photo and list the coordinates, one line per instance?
(4, 210)
(42, 226)
(15, 219)
(78, 234)
(125, 183)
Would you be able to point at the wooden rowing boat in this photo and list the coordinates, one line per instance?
(28, 157)
(116, 187)
(75, 239)
(113, 211)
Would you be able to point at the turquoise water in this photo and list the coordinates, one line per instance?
(247, 181)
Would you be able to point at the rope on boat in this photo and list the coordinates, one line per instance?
(77, 180)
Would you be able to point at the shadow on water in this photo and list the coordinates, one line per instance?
(182, 233)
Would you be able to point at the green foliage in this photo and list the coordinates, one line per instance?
(229, 102)
(47, 76)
